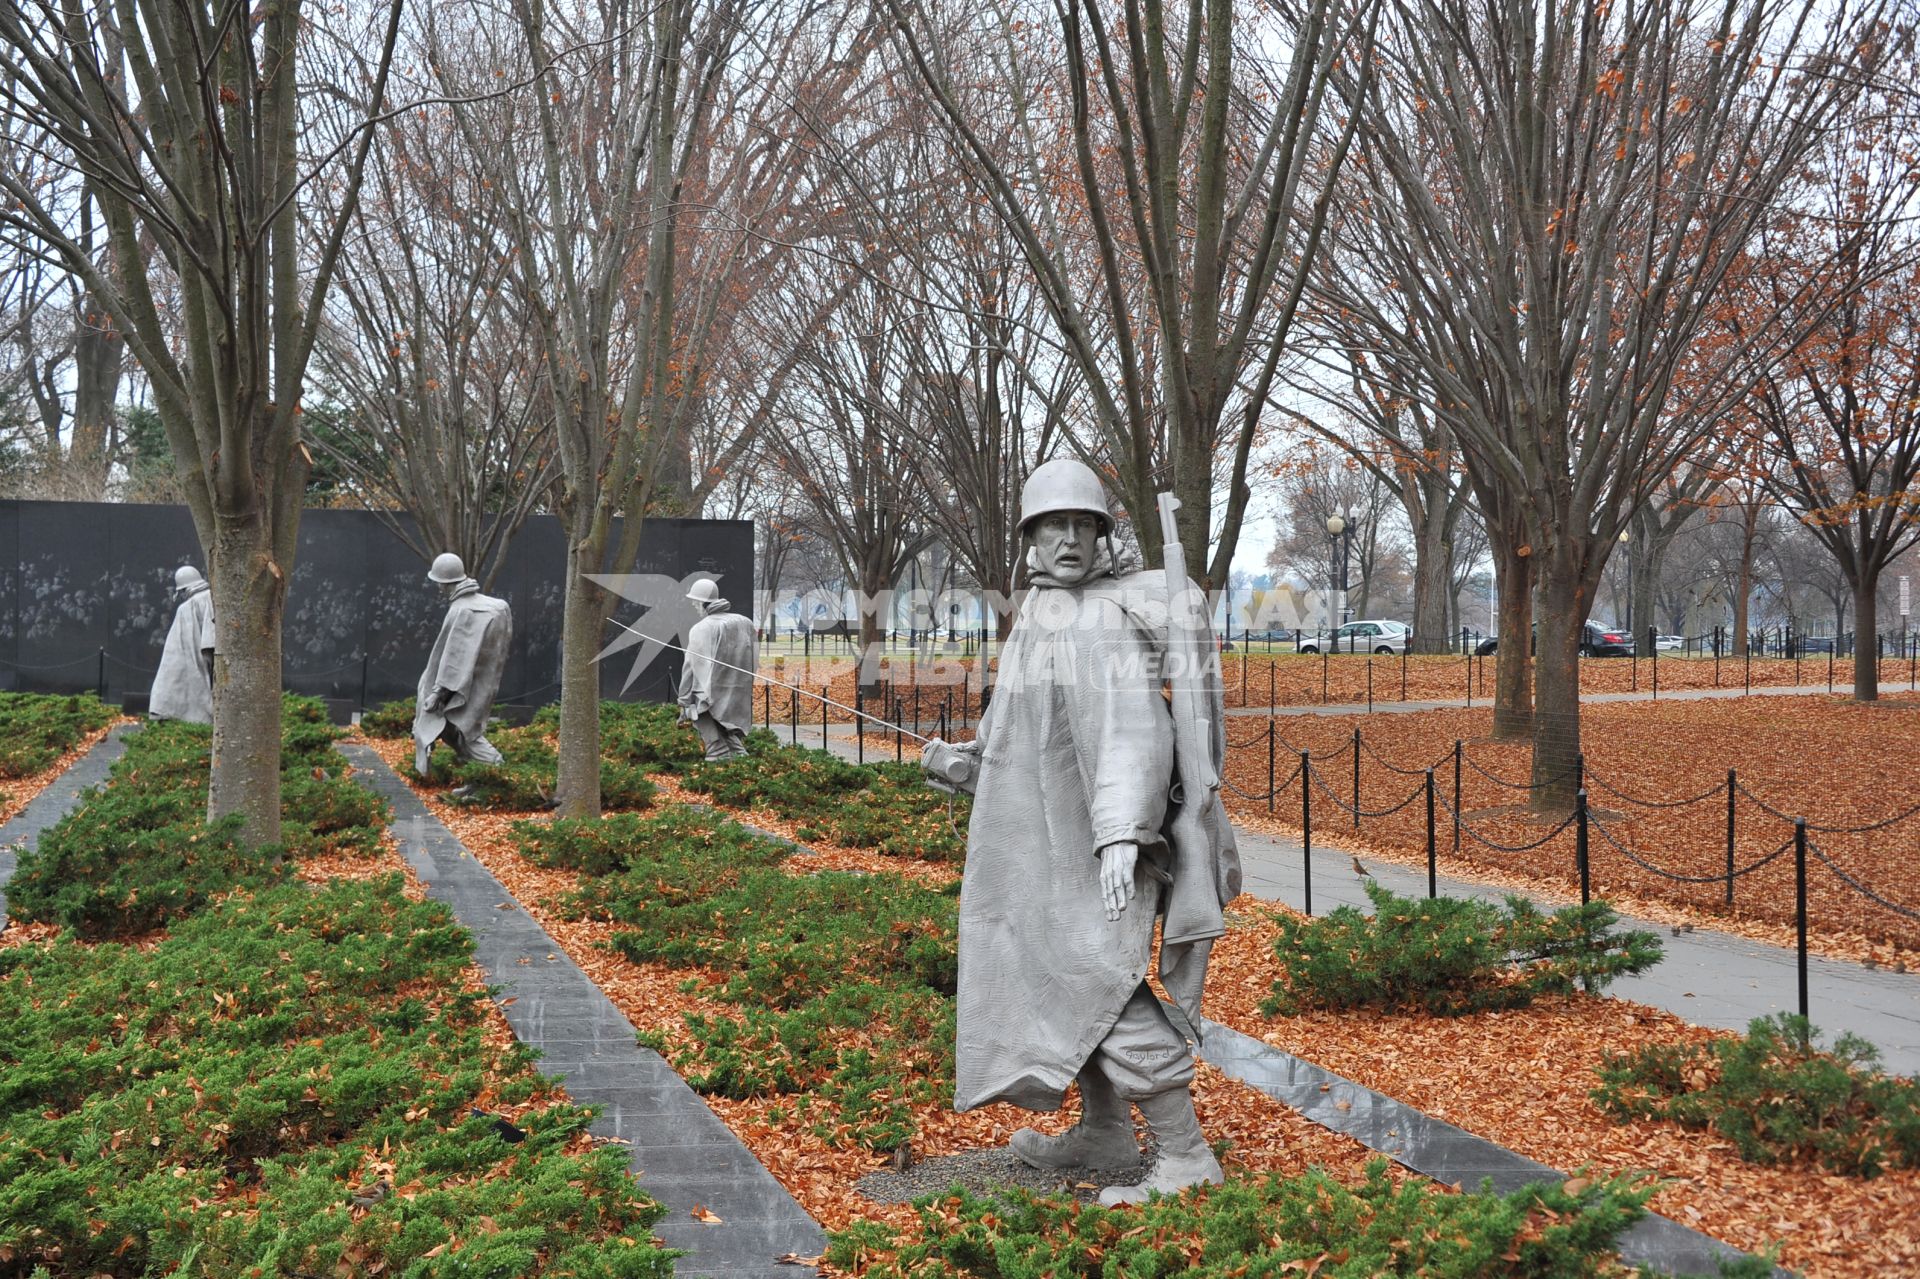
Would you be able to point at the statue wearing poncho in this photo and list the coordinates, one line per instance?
(462, 676)
(716, 685)
(183, 686)
(1068, 866)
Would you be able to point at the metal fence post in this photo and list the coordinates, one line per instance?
(1580, 771)
(1469, 653)
(1369, 686)
(1457, 750)
(1356, 779)
(768, 699)
(1653, 646)
(859, 722)
(1433, 853)
(1800, 904)
(1580, 845)
(824, 689)
(899, 751)
(1306, 828)
(1271, 737)
(793, 716)
(1403, 670)
(1731, 795)
(1323, 672)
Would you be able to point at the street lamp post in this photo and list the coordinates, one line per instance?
(1626, 540)
(1340, 535)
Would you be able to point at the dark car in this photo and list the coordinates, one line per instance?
(1596, 640)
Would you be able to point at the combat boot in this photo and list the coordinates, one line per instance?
(1102, 1139)
(1184, 1158)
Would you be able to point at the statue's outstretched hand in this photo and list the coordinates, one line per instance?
(1117, 863)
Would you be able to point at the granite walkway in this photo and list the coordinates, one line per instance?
(682, 1154)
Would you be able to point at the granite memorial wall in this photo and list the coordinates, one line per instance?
(86, 595)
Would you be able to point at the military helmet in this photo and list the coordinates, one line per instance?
(447, 569)
(187, 575)
(1064, 484)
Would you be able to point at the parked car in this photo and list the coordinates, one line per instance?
(1814, 643)
(1669, 643)
(1596, 640)
(1370, 636)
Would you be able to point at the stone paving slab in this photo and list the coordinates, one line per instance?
(681, 1152)
(1432, 1147)
(52, 803)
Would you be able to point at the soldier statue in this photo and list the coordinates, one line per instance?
(1073, 853)
(462, 677)
(183, 686)
(716, 685)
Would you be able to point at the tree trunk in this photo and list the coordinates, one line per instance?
(1432, 582)
(249, 604)
(1866, 639)
(1743, 583)
(583, 618)
(98, 357)
(1513, 663)
(873, 586)
(1556, 707)
(1649, 555)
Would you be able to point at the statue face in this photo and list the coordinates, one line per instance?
(1063, 541)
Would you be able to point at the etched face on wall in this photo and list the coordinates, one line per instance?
(1063, 543)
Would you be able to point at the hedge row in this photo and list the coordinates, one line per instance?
(38, 728)
(134, 854)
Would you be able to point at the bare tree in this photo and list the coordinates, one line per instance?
(648, 186)
(188, 121)
(1842, 412)
(851, 446)
(447, 431)
(1558, 197)
(1164, 179)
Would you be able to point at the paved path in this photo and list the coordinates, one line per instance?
(1707, 978)
(53, 801)
(682, 1154)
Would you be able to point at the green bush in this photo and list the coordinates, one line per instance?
(36, 729)
(647, 735)
(885, 807)
(210, 1104)
(389, 719)
(1777, 1095)
(805, 957)
(524, 781)
(138, 853)
(1450, 955)
(670, 856)
(1272, 1226)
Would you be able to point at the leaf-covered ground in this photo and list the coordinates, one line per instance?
(940, 682)
(1518, 1078)
(1838, 763)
